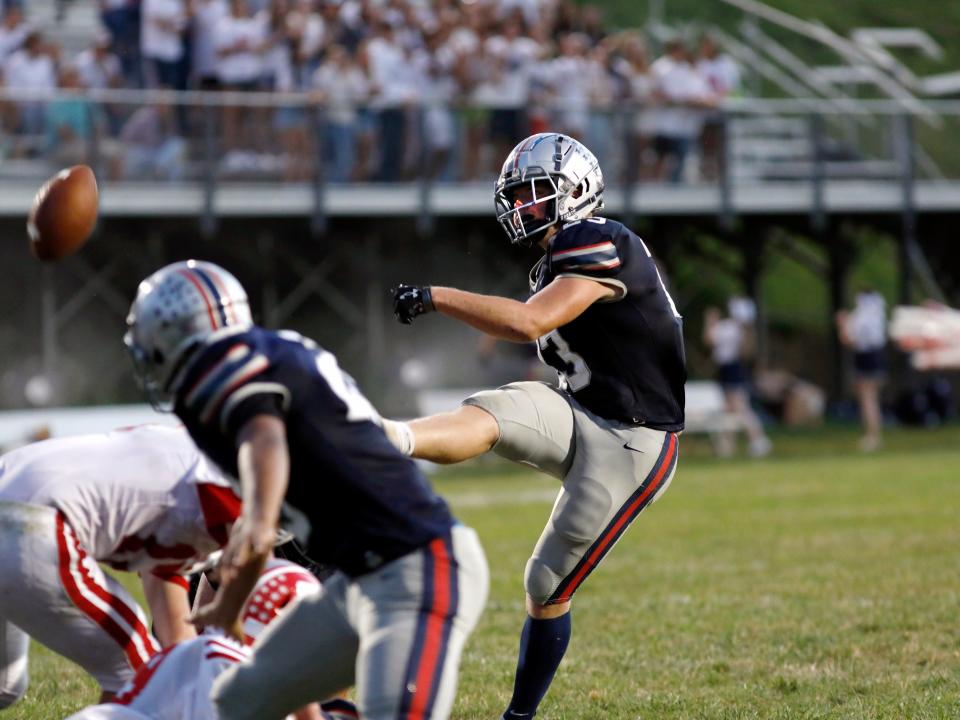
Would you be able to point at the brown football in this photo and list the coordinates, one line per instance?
(64, 213)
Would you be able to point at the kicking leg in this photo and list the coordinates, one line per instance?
(445, 438)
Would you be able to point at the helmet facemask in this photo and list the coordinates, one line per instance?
(551, 169)
(517, 217)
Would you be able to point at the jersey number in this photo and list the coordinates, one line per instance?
(342, 385)
(571, 367)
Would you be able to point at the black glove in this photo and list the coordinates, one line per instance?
(410, 301)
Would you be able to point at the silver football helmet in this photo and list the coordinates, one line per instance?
(177, 308)
(557, 170)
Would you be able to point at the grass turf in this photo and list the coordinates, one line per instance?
(818, 583)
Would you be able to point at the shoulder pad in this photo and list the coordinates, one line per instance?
(584, 246)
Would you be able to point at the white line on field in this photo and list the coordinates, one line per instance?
(500, 497)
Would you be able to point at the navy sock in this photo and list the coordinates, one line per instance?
(542, 645)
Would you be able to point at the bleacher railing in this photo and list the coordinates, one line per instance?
(210, 140)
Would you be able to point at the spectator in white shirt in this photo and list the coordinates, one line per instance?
(31, 68)
(13, 32)
(683, 95)
(239, 39)
(570, 86)
(342, 85)
(97, 66)
(516, 55)
(153, 147)
(637, 87)
(205, 17)
(864, 330)
(722, 75)
(162, 27)
(388, 96)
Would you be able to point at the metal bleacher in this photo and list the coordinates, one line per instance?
(788, 156)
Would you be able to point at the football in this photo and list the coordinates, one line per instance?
(64, 213)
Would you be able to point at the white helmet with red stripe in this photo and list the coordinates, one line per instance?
(280, 584)
(177, 308)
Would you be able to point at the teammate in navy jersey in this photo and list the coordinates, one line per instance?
(602, 317)
(276, 412)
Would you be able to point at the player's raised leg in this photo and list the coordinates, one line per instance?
(445, 438)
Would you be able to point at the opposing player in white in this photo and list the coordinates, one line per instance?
(142, 499)
(176, 683)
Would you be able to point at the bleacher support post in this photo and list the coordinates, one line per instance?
(318, 218)
(908, 213)
(818, 215)
(208, 221)
(726, 189)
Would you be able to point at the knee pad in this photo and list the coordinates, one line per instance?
(540, 581)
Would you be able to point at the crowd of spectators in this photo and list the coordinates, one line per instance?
(402, 86)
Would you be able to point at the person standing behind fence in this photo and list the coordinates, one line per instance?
(162, 27)
(864, 330)
(727, 337)
(722, 74)
(343, 86)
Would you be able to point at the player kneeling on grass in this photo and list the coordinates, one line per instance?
(176, 683)
(142, 499)
(602, 317)
(277, 412)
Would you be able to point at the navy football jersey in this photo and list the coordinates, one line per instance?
(622, 359)
(366, 504)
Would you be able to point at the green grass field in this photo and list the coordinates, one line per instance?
(817, 583)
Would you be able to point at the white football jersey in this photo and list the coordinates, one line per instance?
(139, 498)
(176, 683)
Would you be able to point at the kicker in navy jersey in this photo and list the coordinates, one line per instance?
(622, 359)
(603, 319)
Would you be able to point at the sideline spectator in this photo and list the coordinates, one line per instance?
(683, 95)
(122, 20)
(163, 23)
(239, 39)
(722, 74)
(152, 143)
(343, 86)
(387, 66)
(13, 32)
(633, 69)
(864, 330)
(99, 69)
(69, 122)
(205, 15)
(33, 67)
(726, 337)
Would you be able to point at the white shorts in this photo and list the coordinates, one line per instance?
(52, 591)
(610, 473)
(396, 634)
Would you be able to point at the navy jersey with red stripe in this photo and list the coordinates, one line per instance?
(366, 504)
(621, 359)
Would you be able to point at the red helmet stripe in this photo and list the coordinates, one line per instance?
(204, 294)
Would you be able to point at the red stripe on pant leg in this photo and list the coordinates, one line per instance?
(119, 606)
(433, 637)
(624, 518)
(123, 637)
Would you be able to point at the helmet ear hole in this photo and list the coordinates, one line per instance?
(157, 357)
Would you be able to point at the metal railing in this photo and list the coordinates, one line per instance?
(210, 141)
